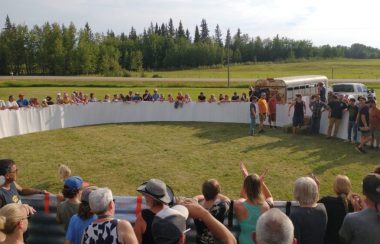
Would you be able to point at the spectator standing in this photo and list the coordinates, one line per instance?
(214, 202)
(252, 115)
(336, 107)
(115, 99)
(212, 98)
(59, 98)
(2, 105)
(137, 97)
(11, 103)
(147, 96)
(49, 100)
(179, 100)
(274, 227)
(107, 229)
(81, 220)
(129, 96)
(310, 219)
(321, 92)
(273, 101)
(221, 97)
(106, 98)
(170, 98)
(157, 196)
(316, 114)
(243, 97)
(363, 125)
(363, 227)
(13, 223)
(187, 98)
(374, 124)
(162, 98)
(353, 111)
(263, 111)
(235, 97)
(155, 96)
(337, 207)
(201, 97)
(22, 102)
(299, 112)
(72, 190)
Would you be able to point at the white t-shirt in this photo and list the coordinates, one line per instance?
(9, 104)
(2, 103)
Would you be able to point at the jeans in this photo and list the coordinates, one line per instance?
(352, 126)
(252, 125)
(314, 124)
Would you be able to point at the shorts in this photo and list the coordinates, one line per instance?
(272, 117)
(376, 133)
(297, 121)
(365, 132)
(262, 117)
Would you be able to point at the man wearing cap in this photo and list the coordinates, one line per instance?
(169, 225)
(71, 191)
(374, 122)
(364, 227)
(157, 195)
(263, 111)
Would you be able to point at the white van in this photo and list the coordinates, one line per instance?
(288, 87)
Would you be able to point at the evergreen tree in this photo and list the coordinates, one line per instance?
(197, 37)
(171, 30)
(218, 36)
(180, 31)
(204, 31)
(188, 37)
(133, 34)
(228, 39)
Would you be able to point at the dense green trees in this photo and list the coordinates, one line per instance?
(53, 49)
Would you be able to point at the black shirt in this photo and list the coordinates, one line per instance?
(235, 98)
(201, 98)
(337, 108)
(336, 212)
(298, 109)
(364, 111)
(148, 216)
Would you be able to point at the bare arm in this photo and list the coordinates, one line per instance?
(126, 233)
(362, 117)
(28, 191)
(67, 242)
(139, 228)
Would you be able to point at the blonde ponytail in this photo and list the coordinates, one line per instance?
(10, 215)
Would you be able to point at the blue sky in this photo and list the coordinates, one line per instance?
(331, 22)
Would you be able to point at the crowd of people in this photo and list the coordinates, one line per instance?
(87, 213)
(78, 97)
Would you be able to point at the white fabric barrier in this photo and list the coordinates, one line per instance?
(29, 120)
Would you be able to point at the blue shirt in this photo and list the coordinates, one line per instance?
(22, 103)
(76, 227)
(155, 97)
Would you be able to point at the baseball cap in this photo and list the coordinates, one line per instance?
(158, 190)
(86, 193)
(169, 224)
(74, 182)
(371, 187)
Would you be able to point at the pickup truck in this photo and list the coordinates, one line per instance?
(353, 89)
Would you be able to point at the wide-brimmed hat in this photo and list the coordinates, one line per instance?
(158, 190)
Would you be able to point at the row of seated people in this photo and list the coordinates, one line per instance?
(82, 98)
(87, 214)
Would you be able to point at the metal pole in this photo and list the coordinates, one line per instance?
(228, 64)
(332, 73)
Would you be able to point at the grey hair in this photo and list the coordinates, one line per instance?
(274, 227)
(306, 191)
(99, 200)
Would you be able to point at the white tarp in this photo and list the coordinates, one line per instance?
(28, 120)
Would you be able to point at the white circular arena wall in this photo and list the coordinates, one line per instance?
(29, 120)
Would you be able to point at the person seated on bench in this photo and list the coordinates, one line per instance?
(217, 204)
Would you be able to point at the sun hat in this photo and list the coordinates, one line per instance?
(371, 187)
(157, 189)
(74, 182)
(169, 224)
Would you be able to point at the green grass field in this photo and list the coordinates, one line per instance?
(332, 68)
(121, 156)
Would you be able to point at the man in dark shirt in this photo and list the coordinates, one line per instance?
(201, 97)
(147, 96)
(316, 109)
(363, 124)
(235, 97)
(352, 123)
(336, 107)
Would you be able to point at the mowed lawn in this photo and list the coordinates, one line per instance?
(122, 156)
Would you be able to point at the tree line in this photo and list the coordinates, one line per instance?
(53, 49)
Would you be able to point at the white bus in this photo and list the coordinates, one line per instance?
(288, 87)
